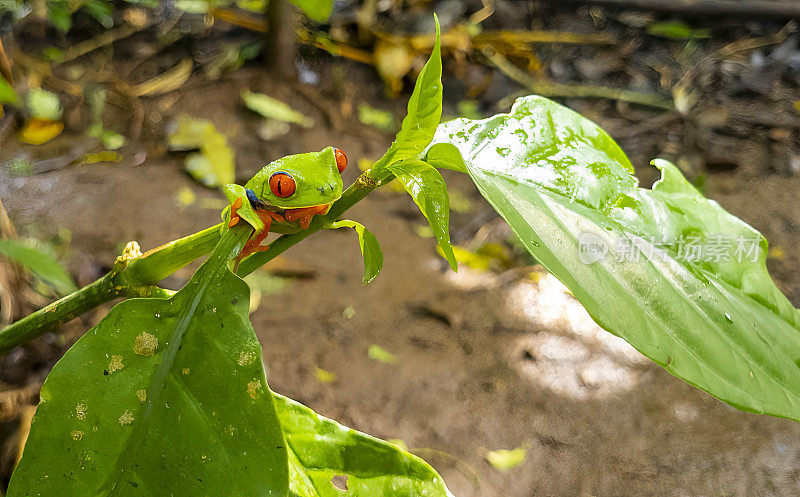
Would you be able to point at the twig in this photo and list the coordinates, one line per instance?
(246, 21)
(543, 37)
(550, 89)
(771, 9)
(12, 276)
(732, 49)
(13, 401)
(5, 65)
(99, 41)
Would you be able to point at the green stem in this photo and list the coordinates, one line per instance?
(135, 275)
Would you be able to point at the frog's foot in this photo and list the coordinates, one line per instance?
(234, 209)
(253, 245)
(304, 215)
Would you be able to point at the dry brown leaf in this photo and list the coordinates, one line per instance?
(166, 82)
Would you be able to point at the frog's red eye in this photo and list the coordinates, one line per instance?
(341, 159)
(282, 185)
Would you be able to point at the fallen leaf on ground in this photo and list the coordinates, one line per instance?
(380, 354)
(506, 459)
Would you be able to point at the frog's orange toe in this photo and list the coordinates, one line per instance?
(234, 209)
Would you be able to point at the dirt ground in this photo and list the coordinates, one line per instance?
(485, 361)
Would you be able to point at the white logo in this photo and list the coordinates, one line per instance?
(591, 248)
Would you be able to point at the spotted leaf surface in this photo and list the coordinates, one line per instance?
(162, 397)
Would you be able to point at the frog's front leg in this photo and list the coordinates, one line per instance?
(240, 208)
(253, 245)
(304, 215)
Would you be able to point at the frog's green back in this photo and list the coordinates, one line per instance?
(316, 176)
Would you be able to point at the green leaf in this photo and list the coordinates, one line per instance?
(275, 109)
(380, 354)
(426, 186)
(565, 188)
(215, 164)
(162, 397)
(370, 249)
(424, 111)
(39, 261)
(43, 104)
(102, 11)
(676, 30)
(319, 10)
(60, 15)
(445, 155)
(193, 6)
(7, 93)
(379, 119)
(320, 448)
(187, 132)
(506, 459)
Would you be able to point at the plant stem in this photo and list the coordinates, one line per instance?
(135, 274)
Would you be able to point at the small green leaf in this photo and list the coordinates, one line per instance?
(7, 93)
(506, 459)
(192, 6)
(162, 397)
(426, 186)
(676, 30)
(112, 140)
(215, 164)
(324, 376)
(186, 133)
(275, 109)
(43, 104)
(424, 111)
(380, 354)
(39, 261)
(102, 11)
(320, 448)
(447, 156)
(382, 120)
(318, 10)
(370, 249)
(60, 15)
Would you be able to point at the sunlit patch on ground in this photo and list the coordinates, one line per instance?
(572, 355)
(470, 279)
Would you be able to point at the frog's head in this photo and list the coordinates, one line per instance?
(304, 180)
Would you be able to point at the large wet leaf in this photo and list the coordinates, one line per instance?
(162, 397)
(320, 448)
(669, 271)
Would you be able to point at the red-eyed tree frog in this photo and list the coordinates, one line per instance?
(286, 194)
